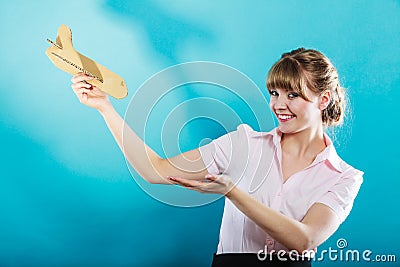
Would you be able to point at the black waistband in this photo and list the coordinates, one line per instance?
(255, 260)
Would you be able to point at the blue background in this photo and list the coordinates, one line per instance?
(67, 197)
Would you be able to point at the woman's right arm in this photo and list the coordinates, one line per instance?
(146, 162)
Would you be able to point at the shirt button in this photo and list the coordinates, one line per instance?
(270, 242)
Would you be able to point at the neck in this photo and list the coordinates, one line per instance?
(306, 143)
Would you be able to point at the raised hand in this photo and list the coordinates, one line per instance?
(88, 94)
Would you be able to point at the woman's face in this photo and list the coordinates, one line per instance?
(294, 113)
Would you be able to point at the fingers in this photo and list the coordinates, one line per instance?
(85, 91)
(97, 92)
(213, 184)
(81, 85)
(210, 177)
(218, 179)
(175, 181)
(183, 182)
(83, 98)
(82, 91)
(80, 77)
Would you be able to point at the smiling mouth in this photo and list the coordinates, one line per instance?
(285, 118)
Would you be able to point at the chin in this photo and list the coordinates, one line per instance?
(287, 130)
(284, 129)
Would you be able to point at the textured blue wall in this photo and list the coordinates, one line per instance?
(67, 197)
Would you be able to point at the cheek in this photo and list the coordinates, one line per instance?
(271, 103)
(298, 107)
(304, 108)
(310, 110)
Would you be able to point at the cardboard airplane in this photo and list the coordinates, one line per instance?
(65, 57)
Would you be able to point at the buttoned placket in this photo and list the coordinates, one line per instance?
(283, 186)
(277, 201)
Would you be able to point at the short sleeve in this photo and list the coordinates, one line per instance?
(219, 154)
(340, 197)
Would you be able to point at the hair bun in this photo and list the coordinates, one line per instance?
(293, 52)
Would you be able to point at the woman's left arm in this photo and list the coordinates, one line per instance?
(319, 223)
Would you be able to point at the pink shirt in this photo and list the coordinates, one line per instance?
(253, 161)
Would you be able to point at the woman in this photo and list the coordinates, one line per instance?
(286, 190)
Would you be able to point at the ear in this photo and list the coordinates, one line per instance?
(324, 99)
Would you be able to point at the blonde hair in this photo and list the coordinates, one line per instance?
(308, 68)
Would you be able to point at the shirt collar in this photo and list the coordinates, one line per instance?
(276, 136)
(329, 153)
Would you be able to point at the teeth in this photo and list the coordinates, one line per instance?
(285, 117)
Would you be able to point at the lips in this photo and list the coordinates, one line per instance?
(285, 117)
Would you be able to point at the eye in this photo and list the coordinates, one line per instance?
(292, 95)
(273, 93)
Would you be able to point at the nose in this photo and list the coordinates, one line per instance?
(280, 102)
